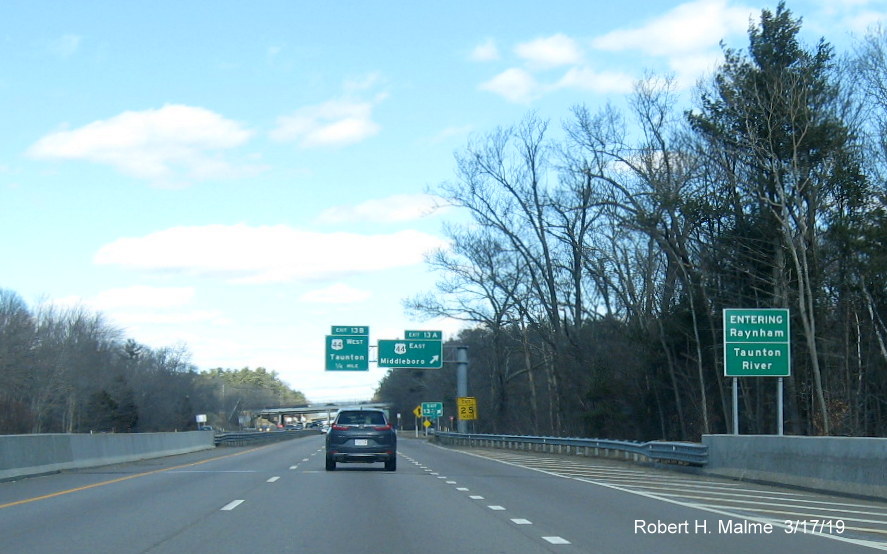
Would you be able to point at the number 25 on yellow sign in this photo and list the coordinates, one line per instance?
(467, 408)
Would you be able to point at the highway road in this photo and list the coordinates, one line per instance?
(278, 498)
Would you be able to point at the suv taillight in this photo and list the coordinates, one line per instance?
(383, 428)
(339, 428)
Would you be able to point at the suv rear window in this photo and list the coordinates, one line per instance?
(361, 418)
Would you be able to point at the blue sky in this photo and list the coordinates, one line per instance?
(240, 177)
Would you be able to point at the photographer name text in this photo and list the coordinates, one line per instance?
(737, 527)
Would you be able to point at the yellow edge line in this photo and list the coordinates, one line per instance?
(119, 479)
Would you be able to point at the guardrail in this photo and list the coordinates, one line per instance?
(254, 437)
(656, 451)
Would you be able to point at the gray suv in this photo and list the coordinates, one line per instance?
(361, 435)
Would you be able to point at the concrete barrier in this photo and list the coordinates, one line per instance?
(29, 455)
(849, 465)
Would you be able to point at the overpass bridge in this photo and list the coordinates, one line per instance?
(315, 411)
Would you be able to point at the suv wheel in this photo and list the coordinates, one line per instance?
(330, 464)
(391, 465)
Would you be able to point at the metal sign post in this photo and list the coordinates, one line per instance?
(735, 406)
(779, 417)
(462, 381)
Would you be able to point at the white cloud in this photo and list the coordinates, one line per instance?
(689, 68)
(521, 87)
(247, 254)
(337, 122)
(515, 85)
(170, 317)
(689, 27)
(167, 146)
(396, 208)
(136, 306)
(864, 21)
(333, 123)
(585, 78)
(141, 296)
(336, 294)
(454, 131)
(486, 51)
(364, 83)
(554, 51)
(65, 46)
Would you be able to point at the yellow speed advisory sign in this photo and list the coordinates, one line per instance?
(467, 406)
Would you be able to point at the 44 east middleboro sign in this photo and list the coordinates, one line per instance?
(411, 353)
(348, 348)
(757, 343)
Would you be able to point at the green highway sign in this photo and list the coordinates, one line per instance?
(423, 335)
(757, 343)
(350, 330)
(347, 353)
(411, 353)
(432, 409)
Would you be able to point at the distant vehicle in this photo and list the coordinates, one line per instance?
(361, 435)
(206, 428)
(292, 427)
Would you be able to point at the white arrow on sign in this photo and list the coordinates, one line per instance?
(433, 360)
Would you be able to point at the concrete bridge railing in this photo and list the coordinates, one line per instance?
(28, 455)
(848, 465)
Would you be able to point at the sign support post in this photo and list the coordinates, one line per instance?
(735, 405)
(462, 381)
(779, 416)
(417, 411)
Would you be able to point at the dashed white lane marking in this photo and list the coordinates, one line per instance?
(231, 505)
(271, 480)
(304, 459)
(516, 521)
(294, 467)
